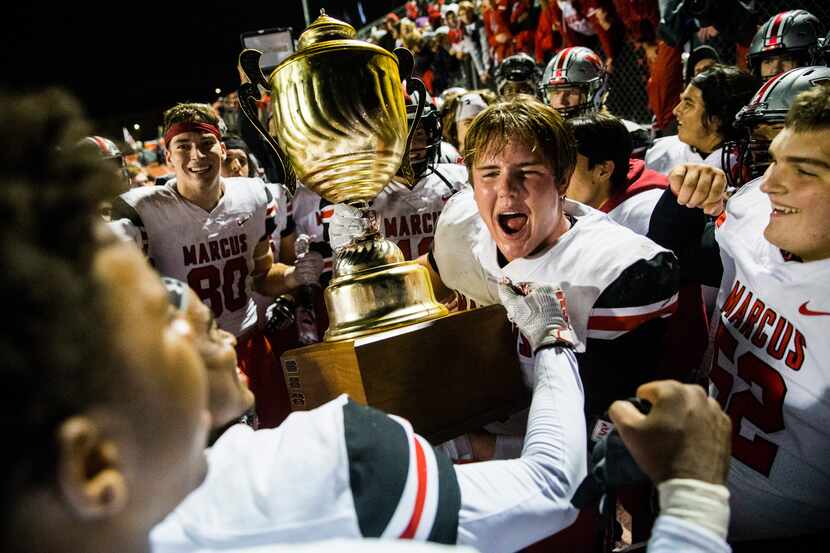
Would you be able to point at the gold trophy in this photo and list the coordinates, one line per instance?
(340, 125)
(340, 121)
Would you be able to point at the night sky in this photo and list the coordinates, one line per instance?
(129, 61)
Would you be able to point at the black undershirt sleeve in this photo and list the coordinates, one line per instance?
(612, 369)
(690, 234)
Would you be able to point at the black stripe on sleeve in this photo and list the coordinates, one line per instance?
(378, 455)
(122, 210)
(645, 282)
(445, 528)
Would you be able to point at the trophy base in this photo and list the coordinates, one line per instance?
(374, 290)
(447, 376)
(380, 299)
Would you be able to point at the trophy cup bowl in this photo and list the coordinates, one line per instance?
(340, 125)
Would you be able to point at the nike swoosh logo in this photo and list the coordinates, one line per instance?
(809, 312)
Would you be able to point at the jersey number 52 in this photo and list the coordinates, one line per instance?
(757, 453)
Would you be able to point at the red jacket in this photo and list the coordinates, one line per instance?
(496, 26)
(640, 18)
(610, 38)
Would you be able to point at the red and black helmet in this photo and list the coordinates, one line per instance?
(747, 158)
(793, 33)
(576, 67)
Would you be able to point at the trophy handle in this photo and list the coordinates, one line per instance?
(406, 62)
(248, 95)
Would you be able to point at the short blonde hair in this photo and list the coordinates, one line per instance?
(526, 120)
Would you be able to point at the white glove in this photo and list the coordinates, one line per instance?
(307, 268)
(540, 313)
(346, 224)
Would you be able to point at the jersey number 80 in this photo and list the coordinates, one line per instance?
(221, 289)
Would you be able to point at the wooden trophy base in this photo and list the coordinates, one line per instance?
(446, 376)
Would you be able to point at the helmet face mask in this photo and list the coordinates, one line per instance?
(787, 40)
(517, 75)
(573, 70)
(762, 118)
(426, 143)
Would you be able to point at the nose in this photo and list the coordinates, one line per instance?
(509, 184)
(772, 183)
(676, 110)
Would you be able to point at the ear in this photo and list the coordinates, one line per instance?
(224, 150)
(88, 471)
(603, 171)
(168, 159)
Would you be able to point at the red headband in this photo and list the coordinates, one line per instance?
(179, 128)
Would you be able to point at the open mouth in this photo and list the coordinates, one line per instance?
(199, 170)
(782, 210)
(512, 222)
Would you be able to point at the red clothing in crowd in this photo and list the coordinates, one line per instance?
(665, 84)
(548, 40)
(497, 29)
(523, 41)
(610, 38)
(640, 18)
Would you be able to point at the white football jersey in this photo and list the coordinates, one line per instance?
(406, 217)
(409, 217)
(211, 251)
(339, 471)
(772, 376)
(583, 262)
(669, 152)
(635, 212)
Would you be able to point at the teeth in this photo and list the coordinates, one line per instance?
(786, 210)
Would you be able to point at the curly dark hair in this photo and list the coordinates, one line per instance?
(54, 325)
(725, 90)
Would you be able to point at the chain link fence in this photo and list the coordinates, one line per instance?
(627, 97)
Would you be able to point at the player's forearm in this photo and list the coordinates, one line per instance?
(694, 517)
(507, 505)
(278, 280)
(684, 231)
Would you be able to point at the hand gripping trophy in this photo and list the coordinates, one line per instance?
(339, 124)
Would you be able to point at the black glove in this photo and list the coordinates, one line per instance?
(612, 467)
(280, 314)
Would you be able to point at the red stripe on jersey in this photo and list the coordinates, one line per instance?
(721, 219)
(327, 212)
(772, 38)
(628, 322)
(420, 497)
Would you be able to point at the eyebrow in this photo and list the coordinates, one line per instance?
(520, 165)
(809, 161)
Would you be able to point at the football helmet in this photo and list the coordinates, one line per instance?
(577, 68)
(426, 144)
(794, 34)
(760, 120)
(107, 149)
(517, 74)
